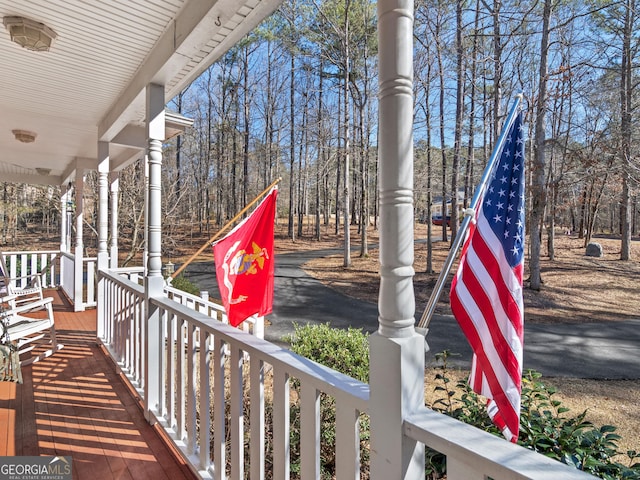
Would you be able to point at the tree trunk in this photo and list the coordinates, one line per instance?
(292, 150)
(346, 226)
(626, 93)
(538, 192)
(457, 137)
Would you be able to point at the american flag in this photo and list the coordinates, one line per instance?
(486, 293)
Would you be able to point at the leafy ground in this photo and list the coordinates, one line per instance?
(576, 289)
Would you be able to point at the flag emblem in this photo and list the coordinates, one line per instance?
(248, 263)
(486, 292)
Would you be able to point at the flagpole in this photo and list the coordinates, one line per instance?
(224, 227)
(468, 215)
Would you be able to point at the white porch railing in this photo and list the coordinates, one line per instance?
(253, 325)
(26, 264)
(473, 454)
(219, 389)
(225, 397)
(209, 390)
(56, 269)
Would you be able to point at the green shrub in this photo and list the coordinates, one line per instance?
(571, 439)
(346, 351)
(182, 283)
(545, 427)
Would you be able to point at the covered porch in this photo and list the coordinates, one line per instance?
(222, 398)
(76, 404)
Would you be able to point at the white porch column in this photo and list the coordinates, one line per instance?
(145, 251)
(103, 205)
(115, 185)
(154, 283)
(78, 303)
(397, 351)
(64, 245)
(103, 231)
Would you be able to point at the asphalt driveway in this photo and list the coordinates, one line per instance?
(592, 350)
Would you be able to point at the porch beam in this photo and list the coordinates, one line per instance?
(135, 136)
(190, 31)
(79, 163)
(31, 179)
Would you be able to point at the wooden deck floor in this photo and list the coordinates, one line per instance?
(75, 404)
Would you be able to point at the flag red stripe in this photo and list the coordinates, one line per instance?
(510, 414)
(498, 330)
(505, 331)
(493, 342)
(503, 279)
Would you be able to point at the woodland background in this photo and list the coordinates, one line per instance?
(297, 99)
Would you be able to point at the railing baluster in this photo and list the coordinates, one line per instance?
(24, 266)
(33, 270)
(131, 351)
(205, 400)
(179, 392)
(281, 413)
(256, 426)
(309, 431)
(52, 270)
(143, 341)
(192, 383)
(169, 374)
(91, 272)
(219, 402)
(236, 420)
(347, 441)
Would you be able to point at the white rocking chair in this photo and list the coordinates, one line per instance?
(26, 288)
(24, 331)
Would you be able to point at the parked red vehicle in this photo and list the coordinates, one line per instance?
(437, 220)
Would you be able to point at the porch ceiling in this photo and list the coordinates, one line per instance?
(91, 85)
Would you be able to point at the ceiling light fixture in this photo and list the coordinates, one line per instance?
(24, 136)
(30, 34)
(43, 171)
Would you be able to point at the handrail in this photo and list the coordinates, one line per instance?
(473, 454)
(300, 367)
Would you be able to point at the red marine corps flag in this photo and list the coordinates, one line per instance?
(486, 293)
(245, 264)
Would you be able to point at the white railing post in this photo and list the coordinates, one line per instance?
(397, 351)
(154, 283)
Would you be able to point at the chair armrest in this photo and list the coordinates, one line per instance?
(32, 276)
(26, 307)
(8, 298)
